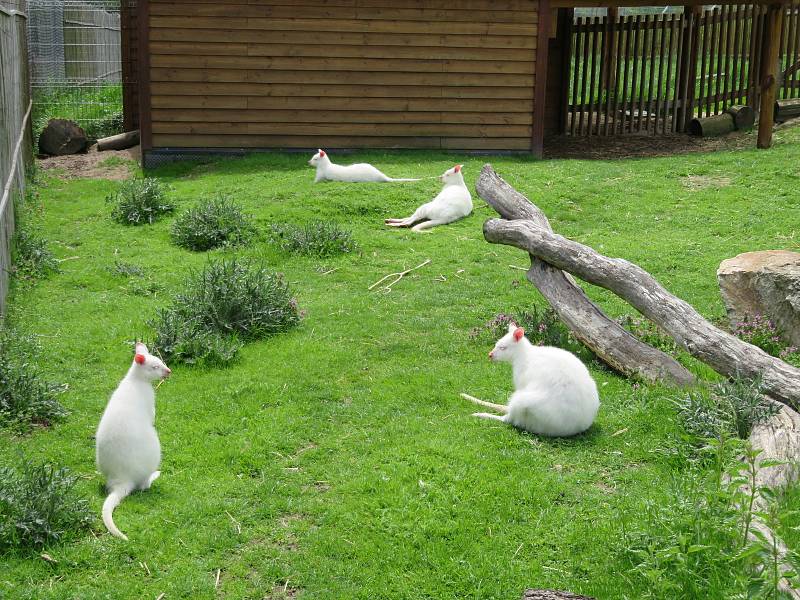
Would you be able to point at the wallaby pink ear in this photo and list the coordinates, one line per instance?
(139, 358)
(322, 152)
(519, 333)
(457, 168)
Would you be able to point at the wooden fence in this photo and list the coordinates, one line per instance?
(15, 142)
(653, 73)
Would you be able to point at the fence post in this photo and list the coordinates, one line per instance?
(773, 29)
(565, 18)
(687, 69)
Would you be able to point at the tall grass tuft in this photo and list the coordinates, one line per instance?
(139, 201)
(39, 505)
(226, 303)
(320, 239)
(213, 223)
(26, 399)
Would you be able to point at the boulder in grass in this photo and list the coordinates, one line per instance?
(763, 283)
(62, 136)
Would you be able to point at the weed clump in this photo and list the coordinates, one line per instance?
(320, 239)
(212, 224)
(732, 409)
(227, 303)
(25, 398)
(542, 328)
(31, 259)
(762, 332)
(39, 505)
(139, 201)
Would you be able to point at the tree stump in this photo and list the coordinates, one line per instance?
(787, 109)
(62, 136)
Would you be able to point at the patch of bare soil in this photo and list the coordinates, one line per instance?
(643, 146)
(701, 182)
(111, 164)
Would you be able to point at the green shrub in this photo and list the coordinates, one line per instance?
(31, 259)
(25, 398)
(139, 201)
(732, 409)
(228, 301)
(39, 505)
(315, 238)
(211, 224)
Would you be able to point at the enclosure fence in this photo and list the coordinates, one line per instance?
(652, 73)
(15, 126)
(75, 63)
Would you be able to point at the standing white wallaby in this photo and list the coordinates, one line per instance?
(128, 450)
(453, 203)
(554, 394)
(358, 173)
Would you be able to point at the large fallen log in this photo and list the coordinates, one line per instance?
(605, 337)
(722, 351)
(118, 142)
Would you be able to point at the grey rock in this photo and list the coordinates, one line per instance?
(763, 283)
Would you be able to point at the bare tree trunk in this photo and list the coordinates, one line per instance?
(605, 337)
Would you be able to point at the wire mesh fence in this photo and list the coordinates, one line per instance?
(76, 64)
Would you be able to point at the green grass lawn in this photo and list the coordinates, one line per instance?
(337, 460)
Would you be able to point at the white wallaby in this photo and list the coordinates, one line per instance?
(358, 173)
(453, 203)
(554, 394)
(128, 450)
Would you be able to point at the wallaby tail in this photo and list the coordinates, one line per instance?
(392, 180)
(112, 501)
(498, 407)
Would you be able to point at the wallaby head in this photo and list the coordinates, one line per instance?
(147, 366)
(319, 157)
(508, 347)
(452, 176)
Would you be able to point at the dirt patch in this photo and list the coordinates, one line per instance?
(642, 146)
(111, 164)
(701, 182)
(283, 592)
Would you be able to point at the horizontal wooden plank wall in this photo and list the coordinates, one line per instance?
(342, 73)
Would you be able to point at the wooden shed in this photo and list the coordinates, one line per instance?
(469, 75)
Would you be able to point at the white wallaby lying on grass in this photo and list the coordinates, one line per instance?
(358, 173)
(453, 203)
(128, 450)
(554, 394)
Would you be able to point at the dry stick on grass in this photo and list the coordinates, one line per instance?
(398, 276)
(604, 336)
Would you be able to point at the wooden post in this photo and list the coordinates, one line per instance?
(565, 18)
(769, 73)
(143, 51)
(540, 79)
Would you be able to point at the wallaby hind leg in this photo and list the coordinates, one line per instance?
(153, 476)
(490, 416)
(498, 407)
